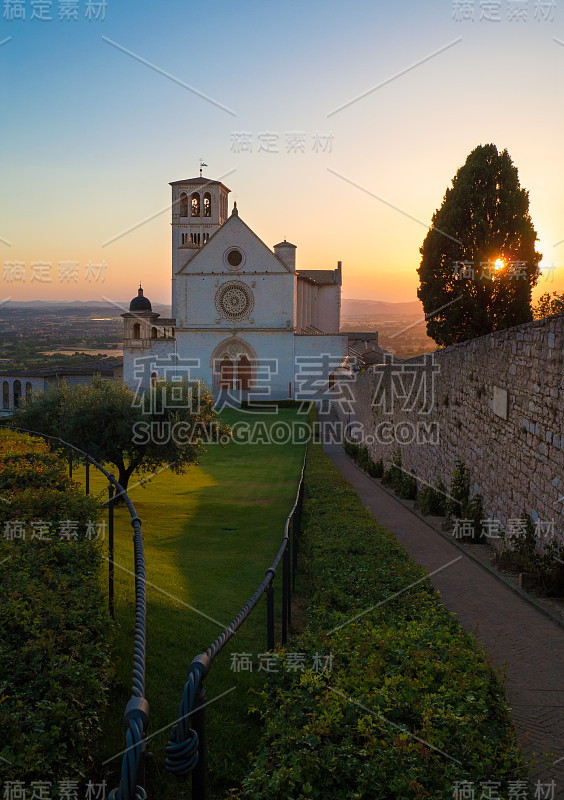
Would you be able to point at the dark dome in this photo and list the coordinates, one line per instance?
(140, 303)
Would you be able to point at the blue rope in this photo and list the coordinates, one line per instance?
(132, 759)
(182, 753)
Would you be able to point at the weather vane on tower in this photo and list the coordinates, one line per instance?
(202, 165)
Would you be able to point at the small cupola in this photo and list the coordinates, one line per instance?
(286, 252)
(140, 303)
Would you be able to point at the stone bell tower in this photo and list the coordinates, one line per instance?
(199, 208)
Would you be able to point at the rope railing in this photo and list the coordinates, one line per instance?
(185, 751)
(136, 714)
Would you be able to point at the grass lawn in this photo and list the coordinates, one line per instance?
(209, 536)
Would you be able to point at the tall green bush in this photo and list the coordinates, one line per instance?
(410, 705)
(55, 646)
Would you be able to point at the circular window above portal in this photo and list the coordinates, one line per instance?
(234, 301)
(234, 258)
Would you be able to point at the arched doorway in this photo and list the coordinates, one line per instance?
(234, 364)
(244, 374)
(226, 373)
(17, 394)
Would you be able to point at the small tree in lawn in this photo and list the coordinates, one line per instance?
(484, 219)
(167, 426)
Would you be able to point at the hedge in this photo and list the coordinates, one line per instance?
(420, 680)
(54, 648)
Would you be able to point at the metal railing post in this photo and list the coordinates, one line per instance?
(299, 507)
(285, 597)
(111, 550)
(288, 559)
(270, 616)
(198, 724)
(87, 481)
(295, 531)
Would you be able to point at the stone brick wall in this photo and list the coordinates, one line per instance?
(496, 403)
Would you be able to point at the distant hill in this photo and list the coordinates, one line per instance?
(367, 310)
(378, 309)
(79, 306)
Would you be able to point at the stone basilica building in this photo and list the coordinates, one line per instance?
(244, 319)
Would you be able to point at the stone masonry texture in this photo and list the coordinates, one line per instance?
(496, 403)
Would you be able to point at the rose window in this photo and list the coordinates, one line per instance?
(234, 301)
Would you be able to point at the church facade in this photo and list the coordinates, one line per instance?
(244, 319)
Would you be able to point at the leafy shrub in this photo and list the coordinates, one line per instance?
(404, 484)
(54, 649)
(393, 475)
(376, 468)
(543, 564)
(352, 449)
(28, 463)
(459, 490)
(433, 500)
(407, 486)
(407, 666)
(461, 505)
(363, 458)
(360, 454)
(524, 545)
(473, 509)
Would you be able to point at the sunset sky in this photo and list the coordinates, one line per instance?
(92, 134)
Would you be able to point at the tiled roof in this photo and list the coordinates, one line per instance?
(198, 182)
(321, 276)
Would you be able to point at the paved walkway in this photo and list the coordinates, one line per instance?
(515, 634)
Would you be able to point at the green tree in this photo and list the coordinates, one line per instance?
(484, 218)
(167, 426)
(548, 305)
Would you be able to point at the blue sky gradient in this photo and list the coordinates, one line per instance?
(91, 136)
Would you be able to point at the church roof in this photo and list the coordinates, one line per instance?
(320, 276)
(362, 336)
(233, 219)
